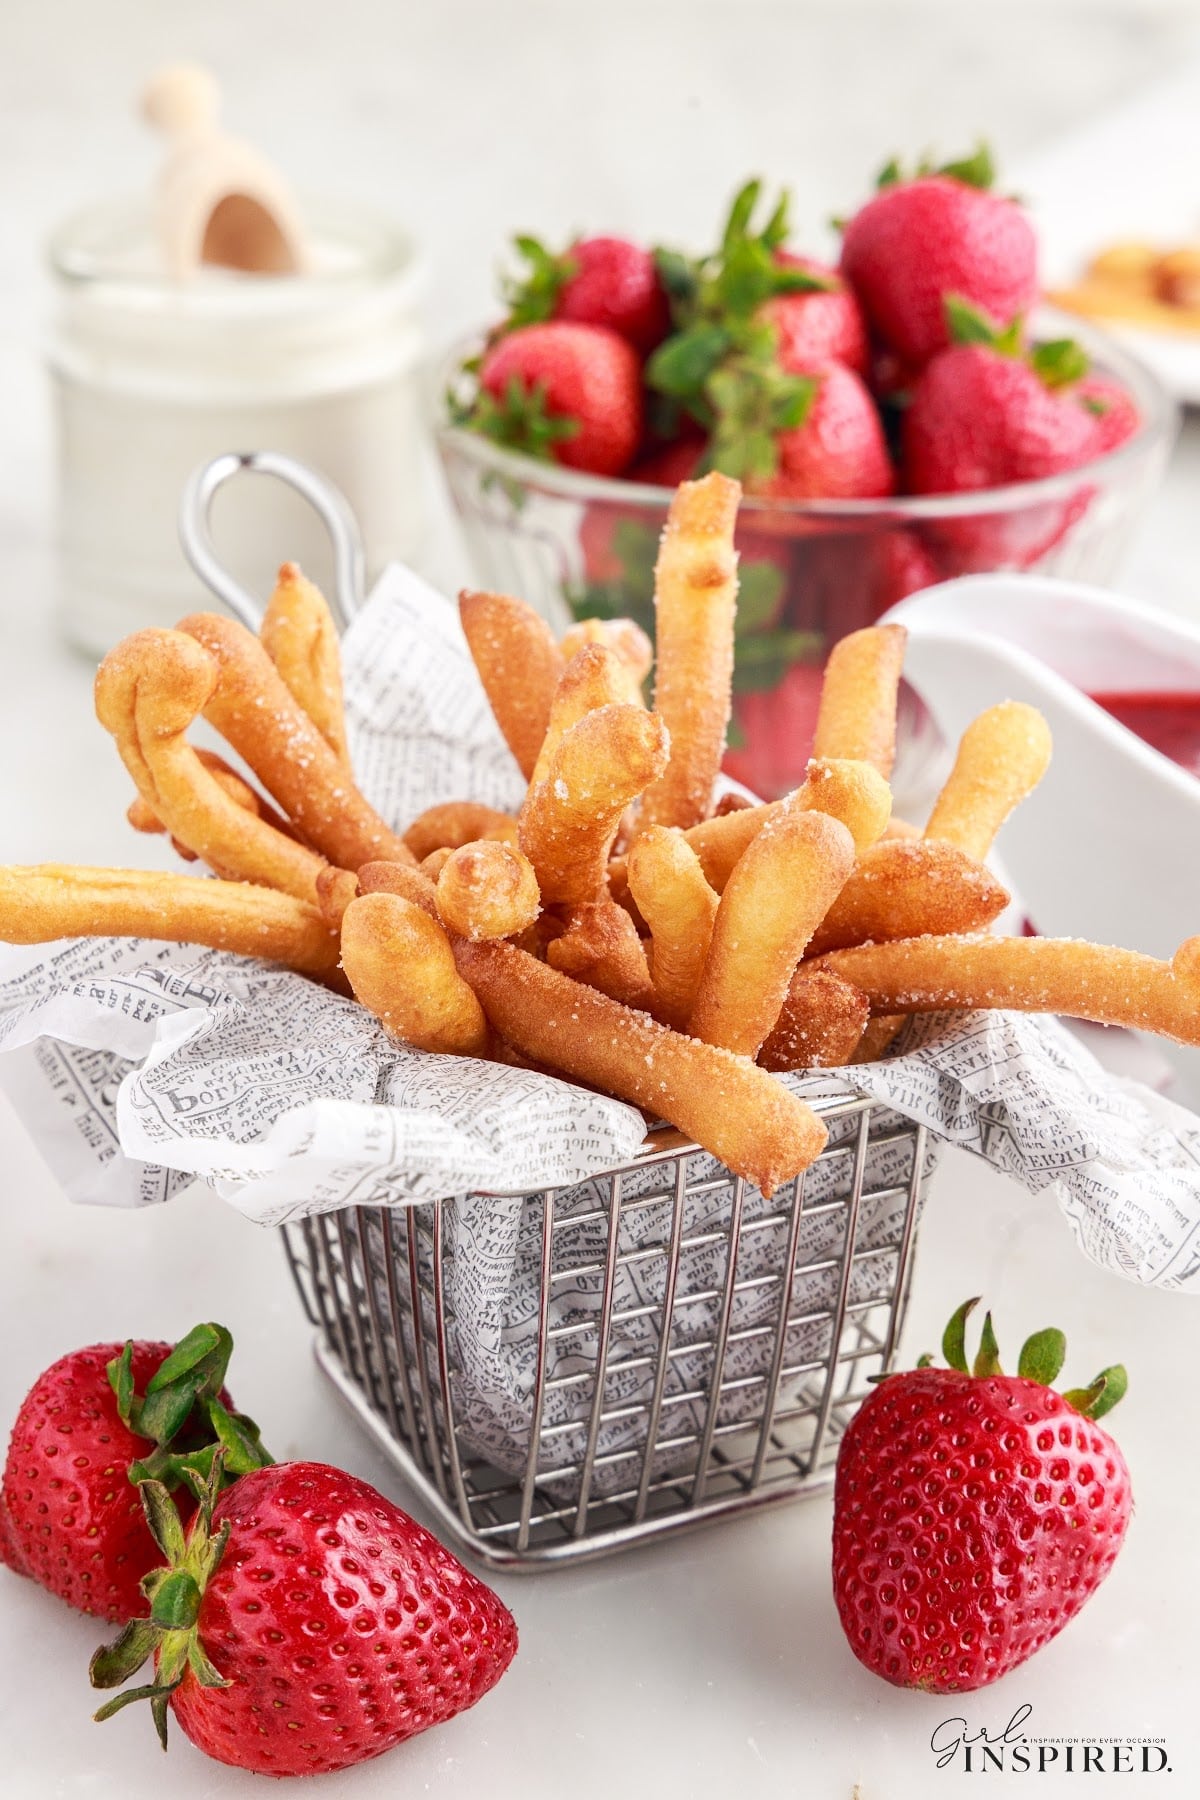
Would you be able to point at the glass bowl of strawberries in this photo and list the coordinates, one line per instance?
(910, 415)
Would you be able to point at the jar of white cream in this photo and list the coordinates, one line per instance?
(153, 376)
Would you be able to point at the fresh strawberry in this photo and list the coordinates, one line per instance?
(1112, 407)
(68, 1507)
(306, 1624)
(823, 325)
(838, 450)
(597, 281)
(974, 1512)
(569, 393)
(774, 728)
(915, 242)
(671, 463)
(902, 565)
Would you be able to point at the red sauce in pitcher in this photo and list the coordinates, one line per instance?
(1167, 722)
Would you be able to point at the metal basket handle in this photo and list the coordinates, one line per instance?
(326, 500)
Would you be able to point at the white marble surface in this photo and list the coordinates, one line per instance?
(711, 1666)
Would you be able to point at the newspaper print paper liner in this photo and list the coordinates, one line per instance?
(143, 1066)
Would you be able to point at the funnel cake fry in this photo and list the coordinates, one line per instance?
(738, 1112)
(601, 947)
(910, 888)
(519, 664)
(487, 890)
(399, 963)
(143, 817)
(148, 691)
(695, 597)
(820, 1024)
(856, 719)
(1003, 755)
(56, 900)
(669, 890)
(301, 639)
(627, 641)
(452, 823)
(778, 894)
(399, 878)
(569, 821)
(1045, 975)
(255, 712)
(593, 678)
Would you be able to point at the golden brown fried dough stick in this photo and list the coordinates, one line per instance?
(856, 719)
(695, 596)
(149, 689)
(399, 963)
(593, 678)
(1003, 755)
(143, 817)
(625, 638)
(820, 1025)
(910, 888)
(255, 712)
(336, 888)
(487, 890)
(519, 664)
(1051, 975)
(453, 823)
(854, 793)
(669, 890)
(776, 897)
(568, 821)
(57, 900)
(878, 1037)
(601, 947)
(735, 1110)
(399, 878)
(301, 639)
(433, 864)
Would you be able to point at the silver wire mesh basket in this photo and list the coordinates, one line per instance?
(564, 1373)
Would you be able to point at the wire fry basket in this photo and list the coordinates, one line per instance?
(669, 1348)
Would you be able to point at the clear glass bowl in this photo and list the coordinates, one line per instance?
(576, 545)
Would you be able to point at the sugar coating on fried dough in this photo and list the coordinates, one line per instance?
(301, 639)
(625, 638)
(148, 691)
(669, 890)
(820, 1024)
(453, 823)
(695, 597)
(593, 678)
(487, 890)
(737, 1111)
(399, 878)
(256, 713)
(569, 821)
(57, 900)
(601, 947)
(399, 963)
(1003, 755)
(856, 719)
(519, 664)
(776, 897)
(1051, 975)
(907, 887)
(853, 792)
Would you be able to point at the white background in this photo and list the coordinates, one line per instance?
(713, 1666)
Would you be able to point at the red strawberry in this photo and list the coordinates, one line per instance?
(597, 281)
(917, 241)
(974, 1513)
(838, 452)
(825, 325)
(673, 463)
(571, 393)
(776, 728)
(1113, 409)
(307, 1624)
(981, 419)
(71, 1515)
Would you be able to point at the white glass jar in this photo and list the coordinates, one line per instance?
(153, 377)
